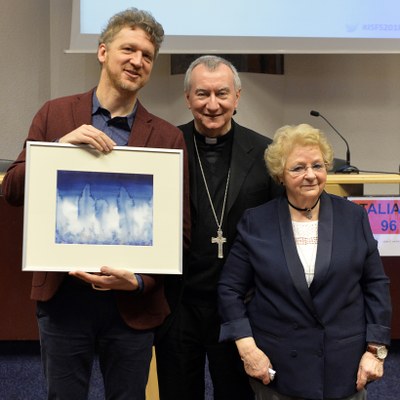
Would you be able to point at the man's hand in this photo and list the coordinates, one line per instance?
(369, 369)
(109, 278)
(88, 134)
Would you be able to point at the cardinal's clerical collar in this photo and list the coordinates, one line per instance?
(214, 140)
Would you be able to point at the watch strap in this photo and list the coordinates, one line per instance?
(375, 350)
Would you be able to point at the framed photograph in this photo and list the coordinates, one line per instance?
(85, 209)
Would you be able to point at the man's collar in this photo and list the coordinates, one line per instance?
(97, 108)
(124, 123)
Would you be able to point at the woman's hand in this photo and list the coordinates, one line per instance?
(256, 363)
(109, 278)
(369, 369)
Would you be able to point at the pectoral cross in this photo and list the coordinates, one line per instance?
(220, 240)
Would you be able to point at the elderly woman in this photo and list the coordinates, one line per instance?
(303, 291)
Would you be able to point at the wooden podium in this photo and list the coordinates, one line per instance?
(353, 185)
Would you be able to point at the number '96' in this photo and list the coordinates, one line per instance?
(389, 225)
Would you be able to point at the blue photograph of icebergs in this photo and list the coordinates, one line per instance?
(104, 208)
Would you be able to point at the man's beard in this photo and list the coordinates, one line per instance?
(125, 85)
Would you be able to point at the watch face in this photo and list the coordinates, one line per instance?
(381, 352)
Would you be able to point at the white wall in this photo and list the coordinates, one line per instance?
(24, 68)
(359, 94)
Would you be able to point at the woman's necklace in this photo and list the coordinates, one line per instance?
(219, 239)
(307, 210)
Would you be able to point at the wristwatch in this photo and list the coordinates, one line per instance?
(380, 352)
